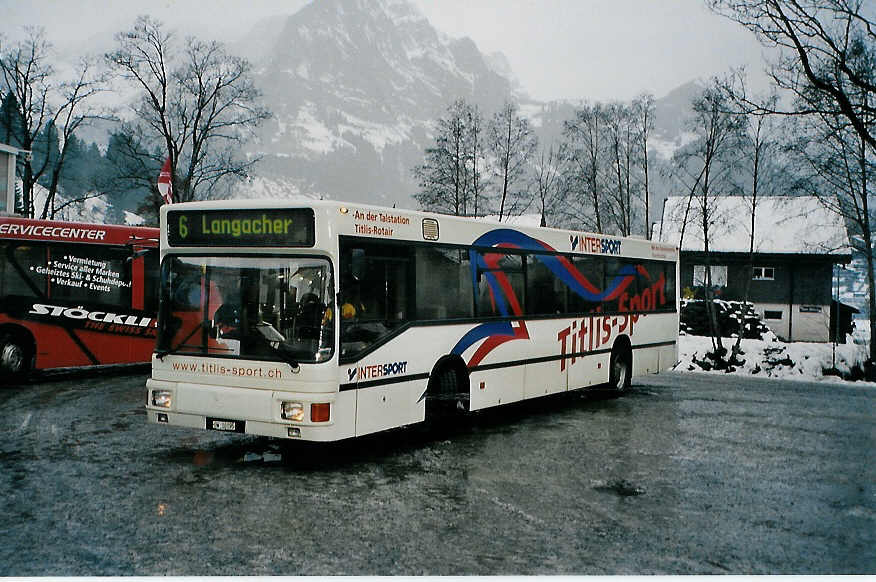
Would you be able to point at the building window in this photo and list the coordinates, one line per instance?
(719, 275)
(772, 315)
(763, 273)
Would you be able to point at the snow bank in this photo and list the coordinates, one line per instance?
(772, 358)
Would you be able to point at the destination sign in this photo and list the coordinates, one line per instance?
(270, 227)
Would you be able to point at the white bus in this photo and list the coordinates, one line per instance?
(327, 321)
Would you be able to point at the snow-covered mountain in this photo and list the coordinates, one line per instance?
(355, 87)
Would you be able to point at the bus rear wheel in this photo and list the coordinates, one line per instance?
(13, 357)
(620, 369)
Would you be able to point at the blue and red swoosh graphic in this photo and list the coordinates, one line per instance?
(505, 300)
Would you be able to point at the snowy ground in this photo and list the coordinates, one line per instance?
(773, 358)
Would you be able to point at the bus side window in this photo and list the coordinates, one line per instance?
(545, 293)
(658, 285)
(99, 274)
(443, 283)
(500, 285)
(619, 273)
(584, 299)
(377, 300)
(16, 274)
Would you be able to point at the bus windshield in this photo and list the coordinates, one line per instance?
(262, 308)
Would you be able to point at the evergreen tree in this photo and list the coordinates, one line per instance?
(75, 174)
(128, 174)
(46, 153)
(11, 123)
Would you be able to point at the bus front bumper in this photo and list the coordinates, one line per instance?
(287, 415)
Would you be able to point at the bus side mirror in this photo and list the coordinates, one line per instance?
(137, 255)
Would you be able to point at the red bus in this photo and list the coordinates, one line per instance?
(75, 294)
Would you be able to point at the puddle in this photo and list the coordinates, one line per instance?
(620, 487)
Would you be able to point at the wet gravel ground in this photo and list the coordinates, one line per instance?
(686, 474)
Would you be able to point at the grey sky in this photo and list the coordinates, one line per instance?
(596, 49)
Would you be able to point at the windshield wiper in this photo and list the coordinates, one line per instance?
(286, 354)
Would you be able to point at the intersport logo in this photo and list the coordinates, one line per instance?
(376, 371)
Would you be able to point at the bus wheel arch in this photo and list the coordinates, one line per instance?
(17, 350)
(620, 367)
(448, 388)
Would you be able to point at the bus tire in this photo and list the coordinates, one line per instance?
(447, 391)
(14, 357)
(620, 368)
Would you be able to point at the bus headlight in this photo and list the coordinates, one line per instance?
(292, 411)
(162, 398)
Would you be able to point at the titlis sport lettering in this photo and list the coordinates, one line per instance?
(99, 316)
(237, 227)
(589, 333)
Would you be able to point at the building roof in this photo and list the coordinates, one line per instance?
(11, 149)
(783, 225)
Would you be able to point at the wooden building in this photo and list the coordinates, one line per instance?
(796, 245)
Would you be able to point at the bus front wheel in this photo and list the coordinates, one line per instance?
(447, 391)
(620, 369)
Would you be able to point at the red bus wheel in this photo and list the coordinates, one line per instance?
(13, 357)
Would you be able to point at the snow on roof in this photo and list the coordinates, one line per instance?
(522, 220)
(783, 224)
(132, 219)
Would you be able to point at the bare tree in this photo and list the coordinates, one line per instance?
(824, 55)
(29, 76)
(606, 166)
(443, 176)
(583, 161)
(643, 111)
(45, 104)
(839, 167)
(622, 151)
(69, 117)
(548, 181)
(451, 178)
(476, 160)
(713, 157)
(197, 101)
(512, 143)
(762, 158)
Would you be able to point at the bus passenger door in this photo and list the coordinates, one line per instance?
(548, 369)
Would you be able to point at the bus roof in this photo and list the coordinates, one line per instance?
(18, 228)
(369, 221)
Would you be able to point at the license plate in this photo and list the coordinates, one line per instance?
(225, 425)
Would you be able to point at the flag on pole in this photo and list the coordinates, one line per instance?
(165, 183)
